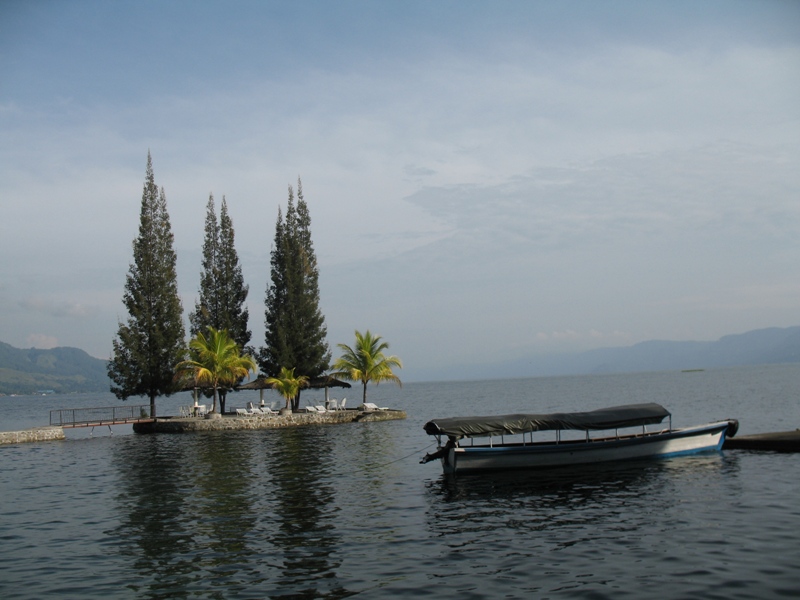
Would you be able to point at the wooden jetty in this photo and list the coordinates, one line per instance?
(782, 441)
(96, 417)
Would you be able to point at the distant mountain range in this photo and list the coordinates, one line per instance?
(60, 370)
(65, 370)
(762, 346)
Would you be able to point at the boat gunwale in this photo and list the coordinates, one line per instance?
(453, 463)
(630, 439)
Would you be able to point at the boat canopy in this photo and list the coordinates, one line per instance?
(614, 417)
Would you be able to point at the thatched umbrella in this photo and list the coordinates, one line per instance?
(326, 381)
(260, 384)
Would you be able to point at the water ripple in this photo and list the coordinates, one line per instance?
(336, 512)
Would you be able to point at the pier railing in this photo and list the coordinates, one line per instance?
(106, 415)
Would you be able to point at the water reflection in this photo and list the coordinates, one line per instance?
(306, 508)
(223, 505)
(154, 532)
(187, 512)
(551, 499)
(561, 525)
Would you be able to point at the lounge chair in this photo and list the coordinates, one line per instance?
(371, 406)
(241, 412)
(311, 409)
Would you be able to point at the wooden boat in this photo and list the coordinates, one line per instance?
(577, 438)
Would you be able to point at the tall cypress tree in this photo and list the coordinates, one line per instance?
(223, 292)
(206, 308)
(149, 346)
(313, 353)
(277, 351)
(295, 327)
(233, 291)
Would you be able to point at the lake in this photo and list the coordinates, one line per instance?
(347, 510)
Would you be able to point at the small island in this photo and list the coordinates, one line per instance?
(364, 414)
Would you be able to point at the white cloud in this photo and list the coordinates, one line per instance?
(42, 341)
(58, 309)
(480, 192)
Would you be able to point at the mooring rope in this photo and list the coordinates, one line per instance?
(406, 456)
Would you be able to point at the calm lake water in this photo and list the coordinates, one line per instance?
(341, 511)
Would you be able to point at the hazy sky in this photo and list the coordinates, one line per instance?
(486, 180)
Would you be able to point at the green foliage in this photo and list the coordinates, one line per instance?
(151, 342)
(215, 361)
(295, 336)
(366, 362)
(287, 385)
(223, 293)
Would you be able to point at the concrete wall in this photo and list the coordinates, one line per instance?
(37, 434)
(229, 422)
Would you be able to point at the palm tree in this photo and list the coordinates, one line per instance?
(215, 361)
(286, 384)
(366, 362)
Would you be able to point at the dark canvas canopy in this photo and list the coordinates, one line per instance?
(605, 418)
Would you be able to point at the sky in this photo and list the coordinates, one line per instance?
(487, 180)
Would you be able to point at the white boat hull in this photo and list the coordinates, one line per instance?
(472, 459)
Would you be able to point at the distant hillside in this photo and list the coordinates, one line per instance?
(62, 370)
(762, 346)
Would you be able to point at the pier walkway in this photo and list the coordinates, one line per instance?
(780, 441)
(106, 415)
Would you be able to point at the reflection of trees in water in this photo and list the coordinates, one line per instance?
(155, 530)
(301, 463)
(238, 514)
(223, 503)
(186, 511)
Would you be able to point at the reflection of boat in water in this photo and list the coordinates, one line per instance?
(566, 449)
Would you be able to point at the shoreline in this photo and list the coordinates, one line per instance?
(45, 433)
(226, 422)
(254, 422)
